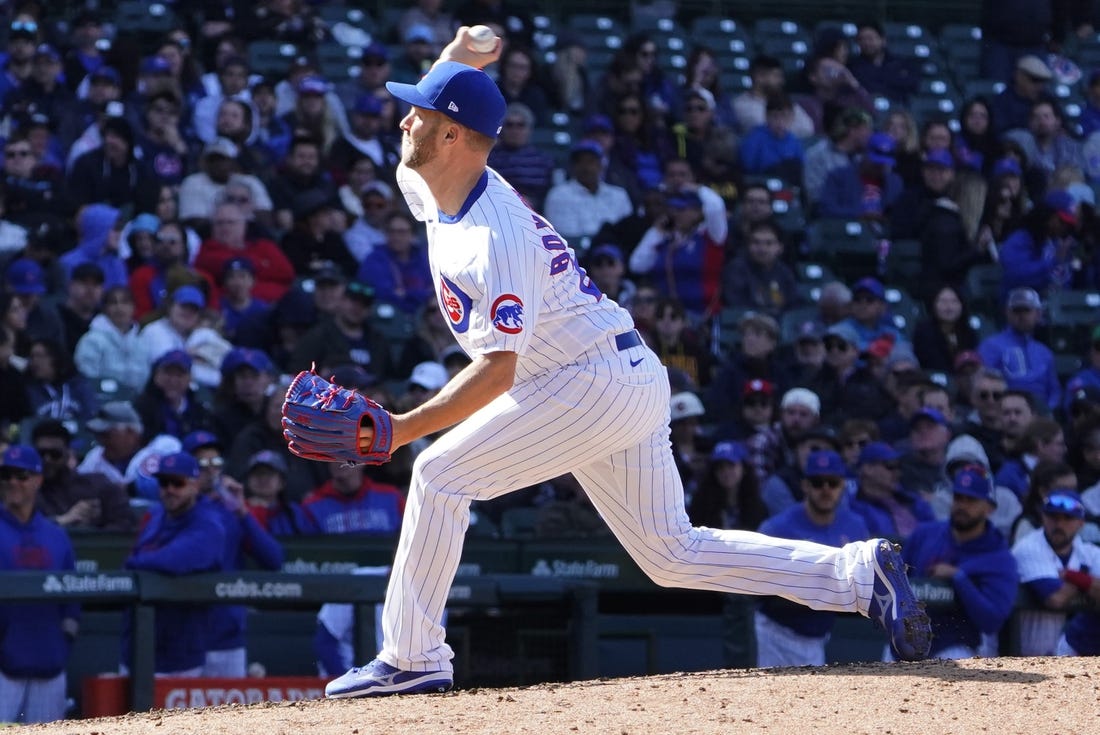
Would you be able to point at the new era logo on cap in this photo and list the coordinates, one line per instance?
(452, 106)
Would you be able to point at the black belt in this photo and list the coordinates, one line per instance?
(626, 340)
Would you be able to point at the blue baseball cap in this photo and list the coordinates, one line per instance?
(198, 439)
(22, 457)
(145, 222)
(376, 50)
(1065, 502)
(607, 250)
(25, 276)
(928, 414)
(239, 357)
(239, 263)
(268, 458)
(105, 74)
(729, 452)
(844, 331)
(465, 94)
(872, 286)
(1007, 167)
(880, 149)
(180, 464)
(825, 463)
(684, 200)
(974, 482)
(1063, 204)
(939, 157)
(878, 452)
(177, 358)
(155, 65)
(598, 123)
(367, 104)
(312, 84)
(586, 146)
(190, 295)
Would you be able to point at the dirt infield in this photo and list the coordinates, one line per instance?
(1003, 696)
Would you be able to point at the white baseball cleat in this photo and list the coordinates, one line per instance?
(378, 678)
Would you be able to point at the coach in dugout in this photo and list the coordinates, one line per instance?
(35, 638)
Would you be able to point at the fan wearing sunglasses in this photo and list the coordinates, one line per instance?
(884, 504)
(788, 634)
(37, 638)
(182, 535)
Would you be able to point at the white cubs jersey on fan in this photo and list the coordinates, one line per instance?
(507, 281)
(1040, 630)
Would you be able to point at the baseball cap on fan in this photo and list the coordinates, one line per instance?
(465, 94)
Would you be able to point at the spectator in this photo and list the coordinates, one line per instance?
(431, 340)
(526, 167)
(351, 502)
(366, 136)
(374, 70)
(168, 404)
(1044, 478)
(922, 467)
(941, 337)
(916, 204)
(111, 350)
(242, 314)
(417, 54)
(686, 411)
(1026, 363)
(964, 451)
(684, 254)
(316, 240)
(181, 330)
(853, 436)
(112, 174)
(749, 107)
(399, 273)
(728, 495)
(866, 190)
(25, 278)
(1012, 107)
(348, 337)
(775, 448)
(54, 388)
(367, 232)
(832, 89)
(902, 127)
(233, 74)
(772, 148)
(229, 240)
(756, 359)
(579, 206)
(879, 71)
(1055, 565)
(1042, 440)
(37, 637)
(265, 489)
(199, 192)
(518, 82)
(888, 509)
(788, 634)
(1089, 375)
(1090, 115)
(987, 388)
(641, 143)
(247, 376)
(149, 281)
(226, 655)
(83, 298)
(29, 188)
(869, 315)
(1039, 255)
(976, 145)
(71, 500)
(301, 173)
(846, 383)
(84, 57)
(119, 452)
(970, 555)
(679, 346)
(161, 142)
(847, 137)
(710, 146)
(757, 277)
(607, 269)
(97, 242)
(1047, 144)
(754, 205)
(14, 405)
(182, 535)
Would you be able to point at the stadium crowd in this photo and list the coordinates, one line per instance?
(184, 225)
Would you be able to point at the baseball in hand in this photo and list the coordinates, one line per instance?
(482, 39)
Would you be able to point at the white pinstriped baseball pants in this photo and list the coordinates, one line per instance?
(607, 423)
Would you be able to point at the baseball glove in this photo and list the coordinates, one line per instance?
(321, 421)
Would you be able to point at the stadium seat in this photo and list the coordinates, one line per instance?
(333, 14)
(983, 290)
(729, 337)
(270, 57)
(1067, 365)
(710, 26)
(779, 27)
(960, 34)
(896, 31)
(144, 18)
(590, 22)
(518, 523)
(808, 272)
(847, 246)
(903, 264)
(1071, 316)
(846, 27)
(988, 88)
(904, 309)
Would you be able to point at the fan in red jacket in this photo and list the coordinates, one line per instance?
(274, 273)
(351, 502)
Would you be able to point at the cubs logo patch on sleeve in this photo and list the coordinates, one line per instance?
(456, 305)
(507, 314)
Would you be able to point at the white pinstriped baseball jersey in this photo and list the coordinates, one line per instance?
(1035, 559)
(589, 398)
